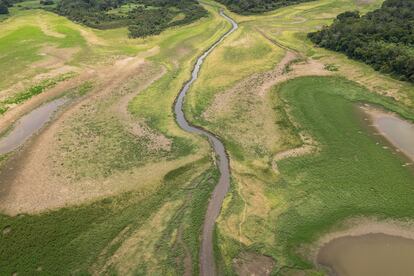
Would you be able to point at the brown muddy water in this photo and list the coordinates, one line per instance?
(28, 125)
(397, 131)
(207, 261)
(368, 255)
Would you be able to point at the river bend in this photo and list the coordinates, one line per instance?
(207, 263)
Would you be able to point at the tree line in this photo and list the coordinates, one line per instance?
(149, 17)
(257, 6)
(383, 38)
(5, 5)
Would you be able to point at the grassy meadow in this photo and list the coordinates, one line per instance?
(171, 187)
(151, 224)
(351, 176)
(274, 209)
(81, 240)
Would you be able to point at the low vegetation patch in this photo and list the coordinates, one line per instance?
(33, 91)
(383, 38)
(81, 240)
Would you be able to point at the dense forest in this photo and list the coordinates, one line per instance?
(257, 6)
(383, 38)
(6, 4)
(4, 9)
(143, 17)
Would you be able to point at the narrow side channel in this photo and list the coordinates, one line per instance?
(29, 124)
(207, 263)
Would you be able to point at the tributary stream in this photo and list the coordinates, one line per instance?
(207, 264)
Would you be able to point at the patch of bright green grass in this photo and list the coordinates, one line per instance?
(84, 88)
(19, 48)
(351, 176)
(69, 241)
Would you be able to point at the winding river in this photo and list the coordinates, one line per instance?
(207, 264)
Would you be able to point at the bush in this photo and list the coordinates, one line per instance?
(3, 8)
(46, 2)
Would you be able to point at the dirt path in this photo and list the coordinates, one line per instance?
(294, 65)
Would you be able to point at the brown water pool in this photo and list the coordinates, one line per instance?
(28, 125)
(368, 255)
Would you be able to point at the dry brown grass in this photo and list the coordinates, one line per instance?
(55, 57)
(39, 165)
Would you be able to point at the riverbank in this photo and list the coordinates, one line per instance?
(207, 257)
(366, 247)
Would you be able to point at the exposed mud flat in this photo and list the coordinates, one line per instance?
(253, 264)
(397, 131)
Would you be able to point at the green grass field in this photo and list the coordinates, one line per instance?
(71, 240)
(276, 208)
(258, 214)
(173, 195)
(351, 176)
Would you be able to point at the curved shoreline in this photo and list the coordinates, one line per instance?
(360, 228)
(207, 262)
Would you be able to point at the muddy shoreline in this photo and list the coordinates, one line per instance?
(207, 262)
(368, 245)
(334, 249)
(29, 125)
(397, 132)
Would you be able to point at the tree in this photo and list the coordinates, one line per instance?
(3, 8)
(383, 38)
(46, 2)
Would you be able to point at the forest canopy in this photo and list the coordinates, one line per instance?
(383, 38)
(3, 8)
(257, 6)
(142, 17)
